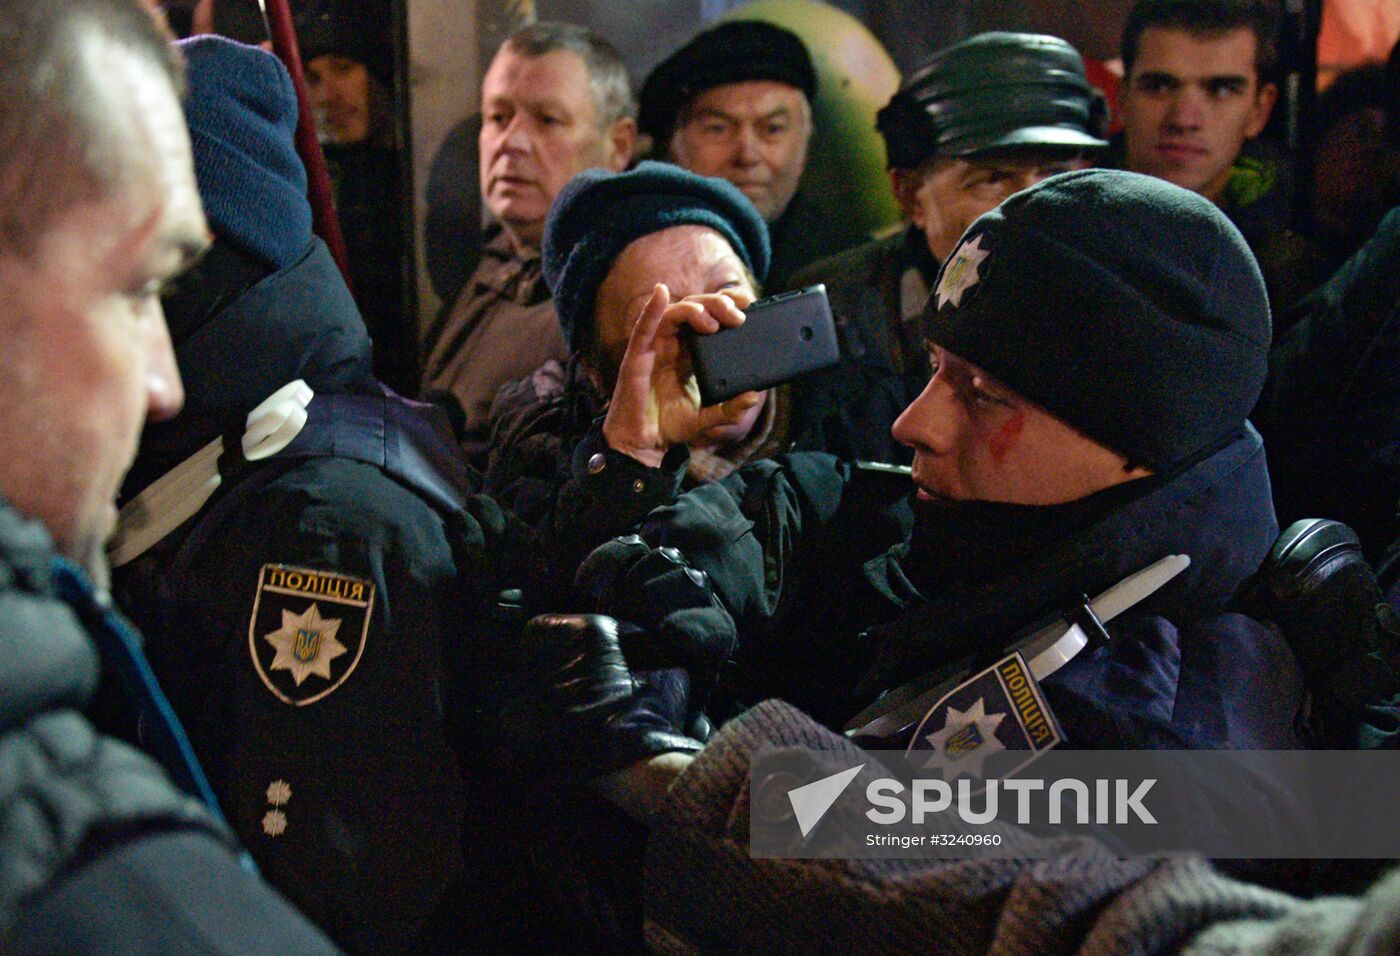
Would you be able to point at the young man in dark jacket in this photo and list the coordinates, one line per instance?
(102, 850)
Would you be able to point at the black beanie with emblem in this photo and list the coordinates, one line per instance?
(1128, 307)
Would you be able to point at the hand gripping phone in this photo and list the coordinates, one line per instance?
(782, 337)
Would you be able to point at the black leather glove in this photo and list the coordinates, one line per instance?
(583, 710)
(682, 623)
(1319, 590)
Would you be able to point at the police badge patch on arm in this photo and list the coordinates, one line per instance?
(998, 716)
(308, 630)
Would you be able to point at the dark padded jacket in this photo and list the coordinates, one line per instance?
(99, 852)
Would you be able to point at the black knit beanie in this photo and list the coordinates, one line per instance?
(599, 213)
(359, 30)
(1128, 307)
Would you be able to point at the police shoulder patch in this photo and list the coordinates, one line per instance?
(308, 630)
(990, 725)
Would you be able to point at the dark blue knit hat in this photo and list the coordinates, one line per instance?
(1128, 307)
(242, 114)
(599, 213)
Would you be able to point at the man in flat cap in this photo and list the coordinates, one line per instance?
(736, 102)
(981, 120)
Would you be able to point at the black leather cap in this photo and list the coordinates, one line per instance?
(994, 91)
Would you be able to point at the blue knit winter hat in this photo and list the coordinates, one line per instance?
(242, 114)
(599, 213)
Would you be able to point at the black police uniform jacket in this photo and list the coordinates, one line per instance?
(99, 851)
(837, 601)
(307, 623)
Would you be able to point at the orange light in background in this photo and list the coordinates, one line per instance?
(1355, 32)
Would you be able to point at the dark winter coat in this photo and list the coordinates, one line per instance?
(99, 852)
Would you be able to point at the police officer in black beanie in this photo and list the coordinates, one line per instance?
(981, 120)
(1097, 341)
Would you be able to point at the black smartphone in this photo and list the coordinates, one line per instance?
(782, 337)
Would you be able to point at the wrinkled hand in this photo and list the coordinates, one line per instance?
(656, 402)
(583, 710)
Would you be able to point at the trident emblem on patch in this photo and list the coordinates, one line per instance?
(306, 644)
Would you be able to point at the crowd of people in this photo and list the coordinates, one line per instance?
(309, 647)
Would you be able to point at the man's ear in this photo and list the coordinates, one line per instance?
(1263, 105)
(905, 183)
(622, 143)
